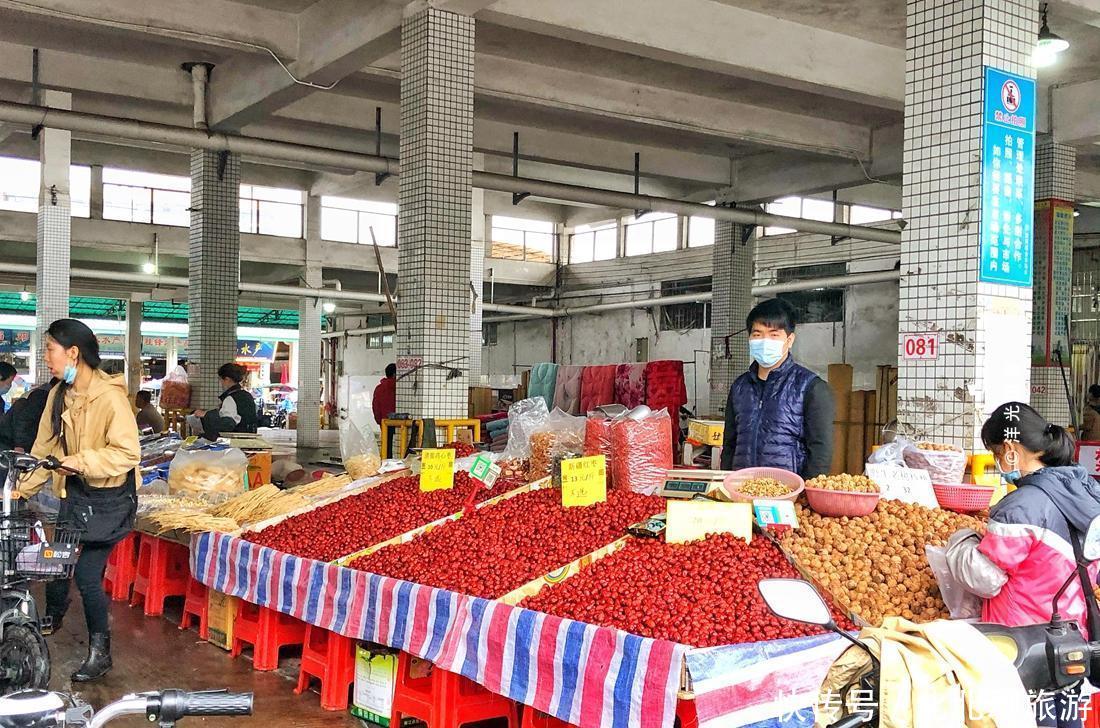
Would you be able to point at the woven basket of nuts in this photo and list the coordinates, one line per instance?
(762, 484)
(842, 495)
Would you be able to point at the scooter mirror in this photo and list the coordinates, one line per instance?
(1091, 548)
(795, 600)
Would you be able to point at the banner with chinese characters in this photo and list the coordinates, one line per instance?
(1008, 179)
(256, 350)
(1052, 290)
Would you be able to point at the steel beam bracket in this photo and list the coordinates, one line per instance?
(517, 197)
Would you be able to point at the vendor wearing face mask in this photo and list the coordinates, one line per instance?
(779, 414)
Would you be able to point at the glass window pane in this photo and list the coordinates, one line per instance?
(520, 223)
(790, 206)
(130, 204)
(507, 243)
(700, 231)
(581, 247)
(818, 209)
(279, 218)
(170, 208)
(18, 184)
(349, 203)
(385, 229)
(80, 191)
(639, 238)
(276, 194)
(540, 247)
(248, 216)
(860, 215)
(664, 234)
(339, 225)
(146, 179)
(606, 246)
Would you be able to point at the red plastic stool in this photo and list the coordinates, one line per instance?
(162, 572)
(443, 699)
(121, 568)
(330, 657)
(1091, 717)
(686, 713)
(537, 719)
(267, 631)
(195, 604)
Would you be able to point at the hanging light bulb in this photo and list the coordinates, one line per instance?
(24, 296)
(328, 307)
(148, 267)
(1048, 45)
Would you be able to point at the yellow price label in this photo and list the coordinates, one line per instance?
(437, 469)
(583, 481)
(691, 520)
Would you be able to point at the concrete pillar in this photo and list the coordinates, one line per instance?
(214, 270)
(54, 235)
(966, 252)
(133, 346)
(309, 334)
(95, 206)
(1055, 178)
(437, 114)
(477, 274)
(731, 283)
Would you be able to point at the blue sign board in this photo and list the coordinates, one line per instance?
(1008, 179)
(253, 349)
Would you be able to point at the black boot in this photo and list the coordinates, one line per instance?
(98, 663)
(52, 624)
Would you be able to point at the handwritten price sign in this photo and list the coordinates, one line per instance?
(691, 520)
(583, 481)
(909, 485)
(437, 469)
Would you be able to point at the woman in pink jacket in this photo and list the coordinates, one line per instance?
(1027, 552)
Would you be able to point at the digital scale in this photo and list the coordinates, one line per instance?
(687, 484)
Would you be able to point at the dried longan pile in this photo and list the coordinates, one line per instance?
(875, 565)
(936, 447)
(763, 488)
(849, 483)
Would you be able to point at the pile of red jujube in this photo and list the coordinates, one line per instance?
(363, 520)
(702, 594)
(462, 450)
(503, 546)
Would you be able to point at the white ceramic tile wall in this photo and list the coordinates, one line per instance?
(54, 231)
(732, 289)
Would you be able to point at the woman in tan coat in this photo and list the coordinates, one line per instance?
(89, 426)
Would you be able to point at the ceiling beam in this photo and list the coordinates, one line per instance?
(1075, 119)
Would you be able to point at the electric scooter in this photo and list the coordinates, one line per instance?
(43, 709)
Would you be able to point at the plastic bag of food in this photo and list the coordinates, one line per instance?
(960, 602)
(208, 472)
(524, 417)
(175, 390)
(597, 438)
(560, 436)
(892, 453)
(944, 463)
(358, 446)
(641, 451)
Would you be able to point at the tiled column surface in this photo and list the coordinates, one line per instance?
(54, 230)
(1055, 177)
(309, 335)
(732, 287)
(477, 279)
(133, 346)
(433, 321)
(983, 328)
(214, 270)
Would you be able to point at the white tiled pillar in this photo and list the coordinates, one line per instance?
(731, 284)
(214, 270)
(54, 230)
(967, 191)
(437, 114)
(1055, 178)
(133, 346)
(309, 334)
(477, 275)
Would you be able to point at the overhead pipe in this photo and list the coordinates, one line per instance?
(146, 131)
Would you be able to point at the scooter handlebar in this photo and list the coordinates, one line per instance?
(216, 703)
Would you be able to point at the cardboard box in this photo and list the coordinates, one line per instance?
(706, 432)
(221, 611)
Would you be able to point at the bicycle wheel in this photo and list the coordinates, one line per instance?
(24, 659)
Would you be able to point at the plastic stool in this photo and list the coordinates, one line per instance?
(1091, 717)
(162, 572)
(686, 714)
(196, 604)
(537, 719)
(330, 657)
(118, 578)
(267, 631)
(445, 700)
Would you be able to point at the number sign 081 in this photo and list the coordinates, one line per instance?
(921, 346)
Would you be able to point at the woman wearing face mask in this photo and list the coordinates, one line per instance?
(1027, 553)
(89, 426)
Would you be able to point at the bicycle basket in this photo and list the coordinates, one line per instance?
(32, 551)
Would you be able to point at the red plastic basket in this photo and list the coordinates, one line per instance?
(963, 498)
(838, 503)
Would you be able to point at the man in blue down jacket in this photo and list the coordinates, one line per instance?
(779, 414)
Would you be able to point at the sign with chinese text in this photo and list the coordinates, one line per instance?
(13, 341)
(1088, 456)
(1051, 292)
(583, 481)
(691, 520)
(920, 346)
(1008, 176)
(909, 485)
(253, 349)
(437, 469)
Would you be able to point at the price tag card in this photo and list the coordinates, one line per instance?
(583, 481)
(775, 513)
(691, 520)
(910, 485)
(437, 469)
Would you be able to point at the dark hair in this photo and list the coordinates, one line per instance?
(69, 333)
(775, 313)
(1018, 422)
(1094, 391)
(144, 396)
(7, 371)
(391, 370)
(232, 371)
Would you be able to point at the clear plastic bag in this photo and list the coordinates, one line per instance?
(524, 417)
(207, 472)
(641, 452)
(358, 445)
(561, 436)
(960, 602)
(597, 438)
(944, 466)
(175, 390)
(892, 453)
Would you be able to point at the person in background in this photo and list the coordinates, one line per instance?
(238, 412)
(1090, 424)
(7, 377)
(89, 426)
(1027, 553)
(384, 402)
(779, 414)
(148, 415)
(19, 425)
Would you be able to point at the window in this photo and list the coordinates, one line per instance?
(683, 316)
(589, 243)
(700, 231)
(821, 305)
(517, 238)
(19, 180)
(806, 207)
(860, 215)
(271, 211)
(654, 232)
(346, 220)
(145, 197)
(488, 334)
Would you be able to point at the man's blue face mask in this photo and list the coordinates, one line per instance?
(766, 352)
